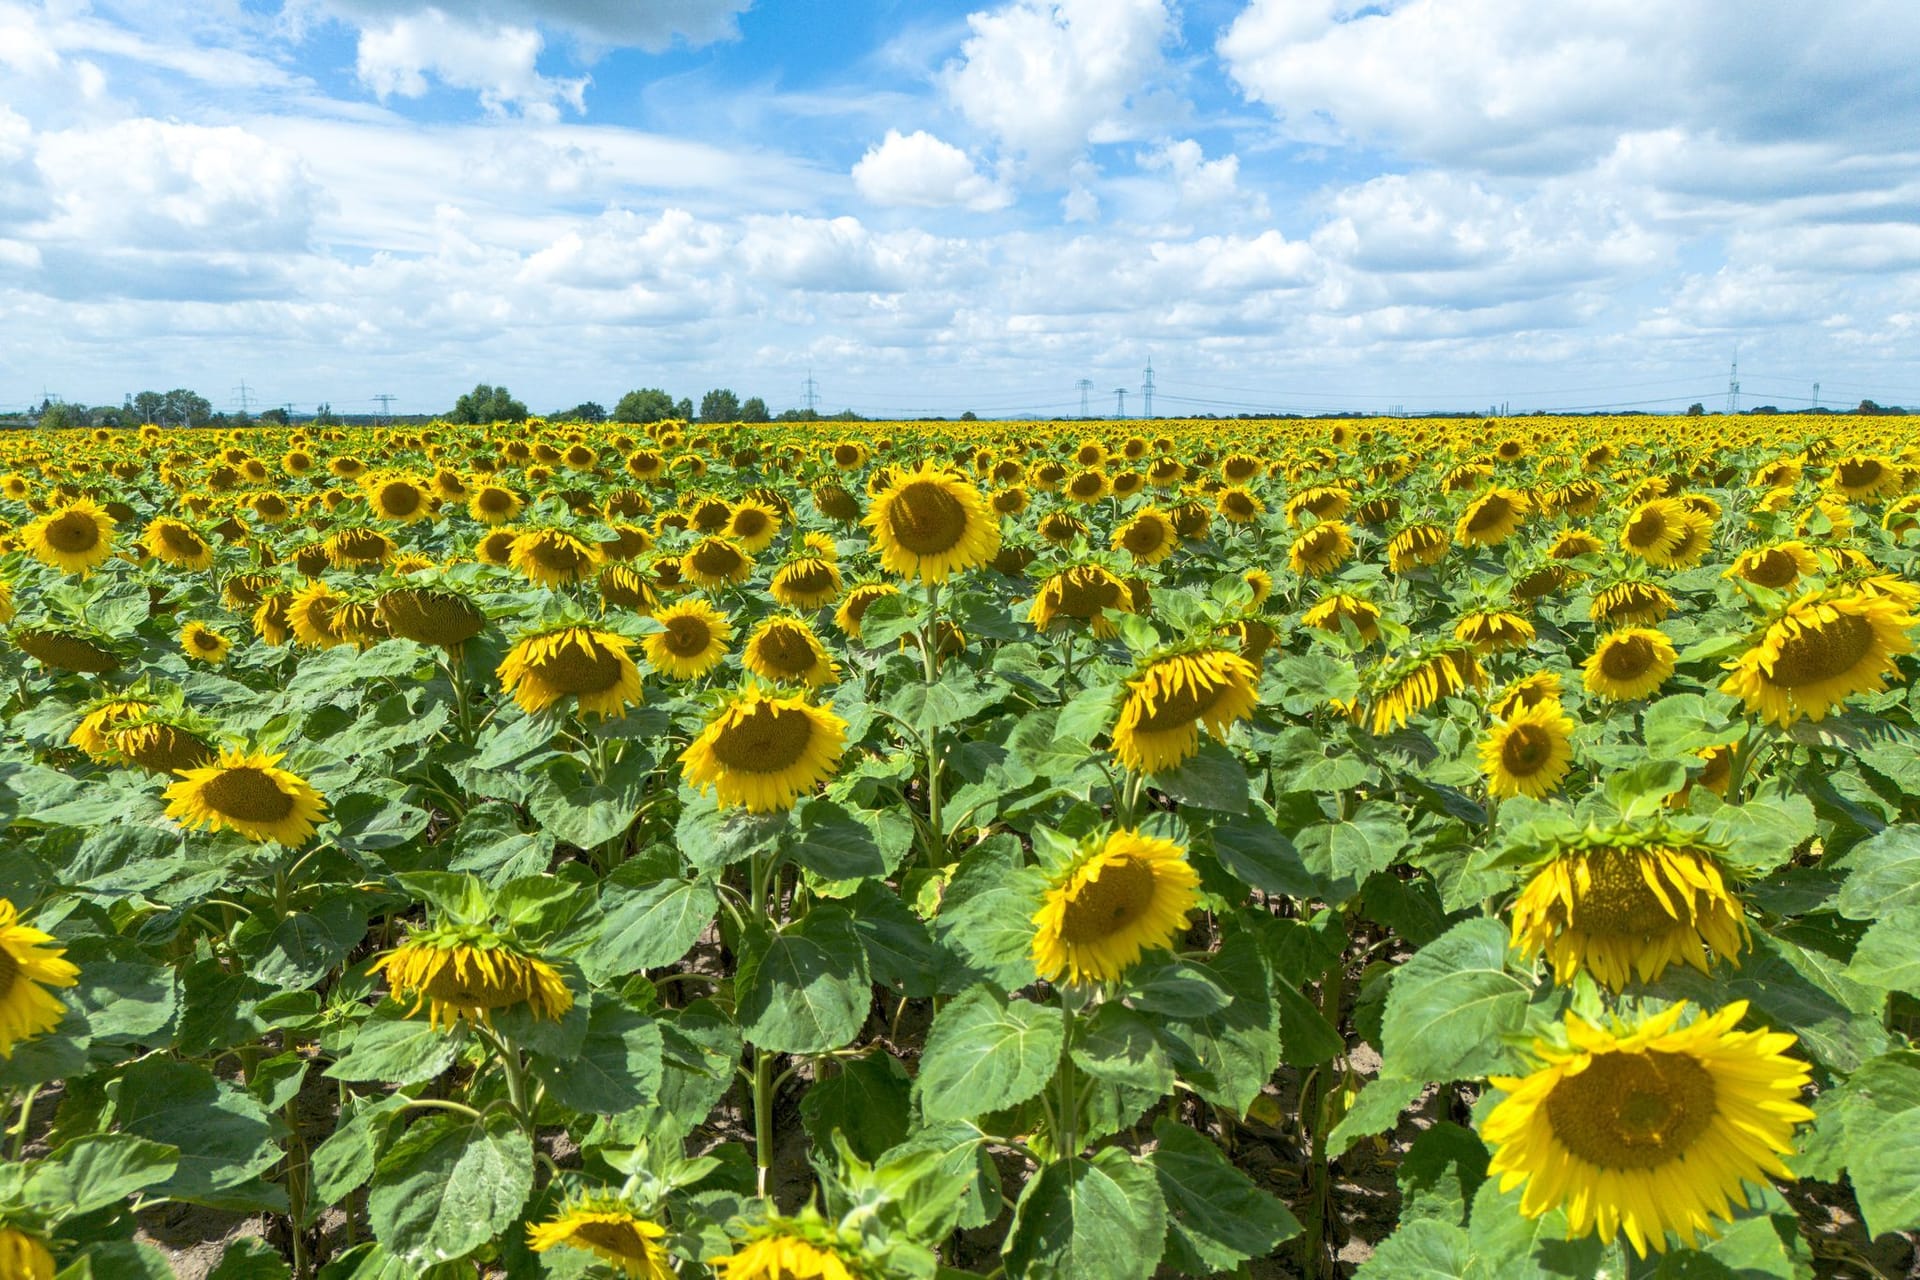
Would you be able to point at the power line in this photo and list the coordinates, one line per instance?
(1085, 385)
(386, 400)
(811, 392)
(244, 392)
(1120, 402)
(1146, 388)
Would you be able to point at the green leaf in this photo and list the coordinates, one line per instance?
(986, 1052)
(959, 695)
(1375, 1109)
(806, 989)
(1452, 1004)
(900, 949)
(987, 912)
(647, 927)
(225, 1138)
(250, 1258)
(1642, 791)
(344, 1162)
(450, 1185)
(1440, 1174)
(713, 838)
(304, 947)
(1079, 1219)
(1765, 830)
(1883, 874)
(1213, 779)
(1161, 984)
(1216, 1217)
(865, 1100)
(571, 806)
(99, 1169)
(1870, 1127)
(490, 844)
(1755, 1247)
(1255, 850)
(1681, 726)
(1227, 1056)
(1119, 1046)
(618, 1066)
(829, 841)
(1341, 855)
(1306, 1037)
(393, 1048)
(1889, 952)
(119, 1260)
(1418, 1250)
(123, 993)
(701, 1048)
(1503, 1245)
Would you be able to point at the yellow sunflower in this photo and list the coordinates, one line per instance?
(272, 621)
(1321, 501)
(359, 549)
(1492, 518)
(174, 542)
(608, 1228)
(752, 525)
(1776, 566)
(1148, 538)
(462, 973)
(243, 791)
(785, 1256)
(1121, 896)
(1168, 702)
(1494, 631)
(1654, 530)
(159, 747)
(1630, 603)
(430, 616)
(693, 641)
(784, 650)
(715, 562)
(397, 498)
(67, 649)
(1542, 688)
(1062, 528)
(1571, 544)
(1824, 648)
(809, 582)
(1649, 1129)
(94, 734)
(585, 663)
(24, 1256)
(203, 644)
(764, 751)
(1407, 686)
(1081, 593)
(1238, 505)
(1321, 550)
(1529, 752)
(75, 537)
(1629, 663)
(854, 606)
(311, 615)
(493, 504)
(553, 557)
(28, 966)
(1417, 545)
(1332, 613)
(931, 524)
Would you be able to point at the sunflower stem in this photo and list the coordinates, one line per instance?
(763, 1090)
(24, 1123)
(930, 666)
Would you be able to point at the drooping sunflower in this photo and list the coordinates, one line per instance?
(1321, 501)
(1627, 903)
(693, 641)
(174, 542)
(553, 557)
(1148, 538)
(28, 966)
(201, 643)
(1404, 687)
(360, 549)
(1542, 688)
(784, 650)
(1529, 752)
(764, 751)
(1824, 648)
(272, 621)
(1082, 593)
(68, 649)
(1631, 603)
(1649, 1129)
(1492, 518)
(588, 664)
(1629, 663)
(311, 613)
(245, 792)
(808, 582)
(462, 973)
(1494, 631)
(94, 734)
(1331, 613)
(931, 524)
(789, 1250)
(431, 616)
(1571, 544)
(1776, 566)
(715, 562)
(1122, 895)
(1321, 550)
(855, 605)
(1062, 528)
(75, 537)
(1417, 545)
(610, 1229)
(159, 746)
(1169, 701)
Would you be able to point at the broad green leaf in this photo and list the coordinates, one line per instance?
(122, 992)
(1765, 830)
(1503, 1245)
(1079, 1218)
(394, 1048)
(1227, 1056)
(807, 988)
(985, 1053)
(1440, 1174)
(1888, 956)
(828, 840)
(618, 1066)
(700, 1049)
(448, 1185)
(1118, 1045)
(1341, 855)
(250, 1258)
(901, 952)
(1216, 1217)
(1213, 779)
(1419, 1250)
(301, 949)
(713, 838)
(1375, 1109)
(1681, 726)
(1883, 874)
(99, 1169)
(344, 1162)
(865, 1099)
(1255, 850)
(1451, 1004)
(987, 912)
(648, 926)
(224, 1137)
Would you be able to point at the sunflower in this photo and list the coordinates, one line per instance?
(174, 542)
(397, 498)
(1654, 530)
(462, 973)
(67, 649)
(1168, 702)
(751, 525)
(784, 650)
(1492, 518)
(806, 583)
(1629, 663)
(855, 605)
(930, 524)
(1321, 550)
(203, 644)
(836, 502)
(1321, 501)
(24, 1256)
(1776, 566)
(28, 966)
(1824, 648)
(628, 541)
(430, 616)
(1010, 501)
(359, 549)
(493, 504)
(311, 614)
(607, 1227)
(160, 747)
(1120, 896)
(693, 641)
(1862, 477)
(1416, 545)
(244, 791)
(1631, 603)
(782, 1254)
(1148, 538)
(1333, 612)
(553, 557)
(75, 537)
(1083, 593)
(272, 621)
(1408, 686)
(715, 562)
(1542, 688)
(1571, 544)
(764, 751)
(1494, 631)
(1238, 505)
(1625, 904)
(584, 663)
(1527, 753)
(1646, 1128)
(94, 734)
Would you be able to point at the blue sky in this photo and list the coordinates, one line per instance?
(1284, 204)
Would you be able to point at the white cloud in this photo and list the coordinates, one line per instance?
(1046, 77)
(919, 169)
(652, 25)
(497, 61)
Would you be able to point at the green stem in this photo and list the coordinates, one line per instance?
(930, 667)
(763, 1090)
(296, 1195)
(24, 1123)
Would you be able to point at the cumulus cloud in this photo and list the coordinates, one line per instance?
(919, 169)
(1047, 77)
(498, 62)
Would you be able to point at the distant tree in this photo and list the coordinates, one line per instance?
(799, 415)
(61, 417)
(754, 410)
(276, 417)
(648, 404)
(324, 416)
(1695, 409)
(1868, 406)
(485, 404)
(586, 412)
(183, 408)
(969, 416)
(683, 409)
(149, 405)
(720, 405)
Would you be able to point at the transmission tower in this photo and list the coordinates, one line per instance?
(1086, 386)
(386, 403)
(1146, 390)
(811, 391)
(1733, 384)
(244, 392)
(1119, 402)
(1816, 395)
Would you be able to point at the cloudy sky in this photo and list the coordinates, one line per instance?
(1284, 204)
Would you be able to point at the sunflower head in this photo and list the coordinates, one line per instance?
(763, 751)
(930, 524)
(68, 649)
(1116, 897)
(1822, 649)
(29, 964)
(245, 791)
(1080, 593)
(806, 582)
(203, 644)
(1528, 752)
(1171, 698)
(1629, 663)
(464, 972)
(785, 650)
(611, 1229)
(1403, 687)
(174, 542)
(1321, 549)
(75, 536)
(431, 616)
(159, 744)
(94, 734)
(692, 639)
(588, 664)
(1417, 545)
(799, 1248)
(553, 557)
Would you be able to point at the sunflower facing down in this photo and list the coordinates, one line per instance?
(1630, 603)
(763, 752)
(243, 791)
(160, 746)
(1529, 752)
(1539, 689)
(28, 966)
(1825, 647)
(1081, 593)
(1333, 613)
(610, 1229)
(1320, 550)
(76, 537)
(94, 734)
(715, 562)
(1629, 663)
(790, 1249)
(1417, 545)
(424, 615)
(1776, 566)
(806, 583)
(931, 524)
(693, 640)
(1494, 630)
(1166, 705)
(24, 1255)
(584, 663)
(854, 607)
(1649, 1129)
(1121, 896)
(1408, 686)
(1492, 518)
(462, 973)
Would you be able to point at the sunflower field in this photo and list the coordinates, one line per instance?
(1477, 848)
